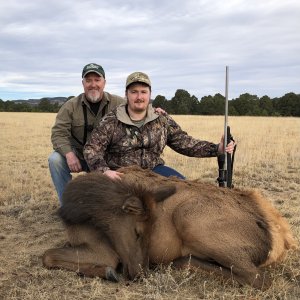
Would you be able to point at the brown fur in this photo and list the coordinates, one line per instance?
(102, 214)
(230, 232)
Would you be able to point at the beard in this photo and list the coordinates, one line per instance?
(93, 96)
(139, 106)
(139, 109)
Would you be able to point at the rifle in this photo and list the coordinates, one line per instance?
(225, 161)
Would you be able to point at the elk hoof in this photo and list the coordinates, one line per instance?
(111, 275)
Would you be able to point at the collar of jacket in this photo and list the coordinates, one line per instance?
(123, 117)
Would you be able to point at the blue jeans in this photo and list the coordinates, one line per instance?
(167, 171)
(60, 172)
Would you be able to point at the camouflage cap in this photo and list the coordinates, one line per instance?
(93, 68)
(138, 77)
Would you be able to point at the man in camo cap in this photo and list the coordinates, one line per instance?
(132, 134)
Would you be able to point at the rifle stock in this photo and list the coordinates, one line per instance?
(225, 163)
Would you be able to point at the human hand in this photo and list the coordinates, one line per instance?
(73, 162)
(229, 148)
(160, 111)
(113, 174)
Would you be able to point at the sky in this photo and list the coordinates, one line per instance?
(180, 44)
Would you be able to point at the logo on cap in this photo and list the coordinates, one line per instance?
(92, 66)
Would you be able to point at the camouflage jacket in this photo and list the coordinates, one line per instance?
(68, 130)
(116, 142)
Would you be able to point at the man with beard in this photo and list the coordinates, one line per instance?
(74, 123)
(132, 134)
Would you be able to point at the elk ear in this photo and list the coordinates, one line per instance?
(133, 205)
(161, 193)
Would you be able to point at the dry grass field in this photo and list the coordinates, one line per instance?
(267, 158)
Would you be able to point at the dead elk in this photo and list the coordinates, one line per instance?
(107, 222)
(231, 232)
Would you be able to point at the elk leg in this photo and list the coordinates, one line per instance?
(246, 275)
(82, 260)
(243, 270)
(195, 263)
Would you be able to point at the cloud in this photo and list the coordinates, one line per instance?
(181, 44)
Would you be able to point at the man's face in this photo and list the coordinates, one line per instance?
(93, 86)
(138, 97)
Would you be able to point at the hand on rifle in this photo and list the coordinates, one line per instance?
(229, 148)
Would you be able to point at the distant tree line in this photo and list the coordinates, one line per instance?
(245, 105)
(44, 105)
(184, 104)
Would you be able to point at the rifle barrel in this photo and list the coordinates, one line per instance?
(226, 120)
